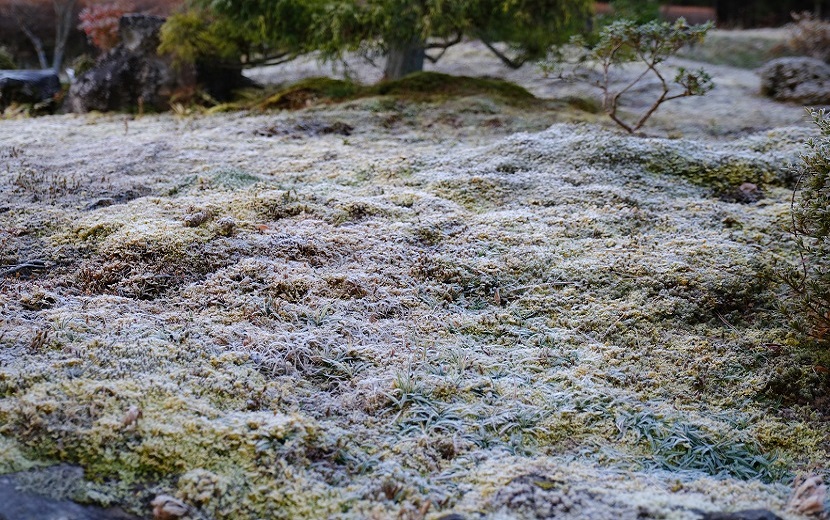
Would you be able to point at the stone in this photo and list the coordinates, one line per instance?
(16, 503)
(28, 86)
(809, 496)
(746, 193)
(131, 75)
(166, 507)
(796, 79)
(747, 514)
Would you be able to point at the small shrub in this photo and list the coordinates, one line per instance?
(82, 64)
(809, 280)
(197, 36)
(6, 60)
(810, 36)
(650, 45)
(639, 11)
(100, 24)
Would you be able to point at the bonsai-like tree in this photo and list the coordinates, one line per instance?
(406, 33)
(647, 46)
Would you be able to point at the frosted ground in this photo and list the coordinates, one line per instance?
(461, 307)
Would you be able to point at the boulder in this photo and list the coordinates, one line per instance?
(796, 79)
(132, 75)
(747, 514)
(18, 503)
(28, 86)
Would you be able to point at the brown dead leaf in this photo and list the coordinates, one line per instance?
(809, 496)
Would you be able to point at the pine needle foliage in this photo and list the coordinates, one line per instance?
(809, 279)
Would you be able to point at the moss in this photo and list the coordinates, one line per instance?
(723, 174)
(419, 87)
(476, 194)
(13, 457)
(233, 179)
(430, 86)
(541, 303)
(311, 91)
(585, 104)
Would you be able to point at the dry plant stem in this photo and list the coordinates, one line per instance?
(29, 264)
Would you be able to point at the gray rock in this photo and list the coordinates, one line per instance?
(16, 504)
(28, 86)
(748, 514)
(132, 74)
(798, 80)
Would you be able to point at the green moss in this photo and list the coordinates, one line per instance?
(585, 104)
(722, 174)
(233, 179)
(420, 86)
(475, 194)
(431, 86)
(312, 91)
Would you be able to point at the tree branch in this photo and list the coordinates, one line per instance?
(36, 42)
(443, 46)
(513, 64)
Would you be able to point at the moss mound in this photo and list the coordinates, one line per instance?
(432, 85)
(420, 86)
(310, 91)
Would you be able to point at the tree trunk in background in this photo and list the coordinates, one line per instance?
(38, 44)
(404, 59)
(64, 23)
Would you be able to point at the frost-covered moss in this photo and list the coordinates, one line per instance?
(401, 325)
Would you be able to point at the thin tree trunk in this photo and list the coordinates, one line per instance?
(64, 17)
(38, 44)
(404, 59)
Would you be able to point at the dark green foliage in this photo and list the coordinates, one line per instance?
(6, 60)
(197, 36)
(681, 446)
(638, 11)
(809, 279)
(418, 30)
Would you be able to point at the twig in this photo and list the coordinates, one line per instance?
(34, 265)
